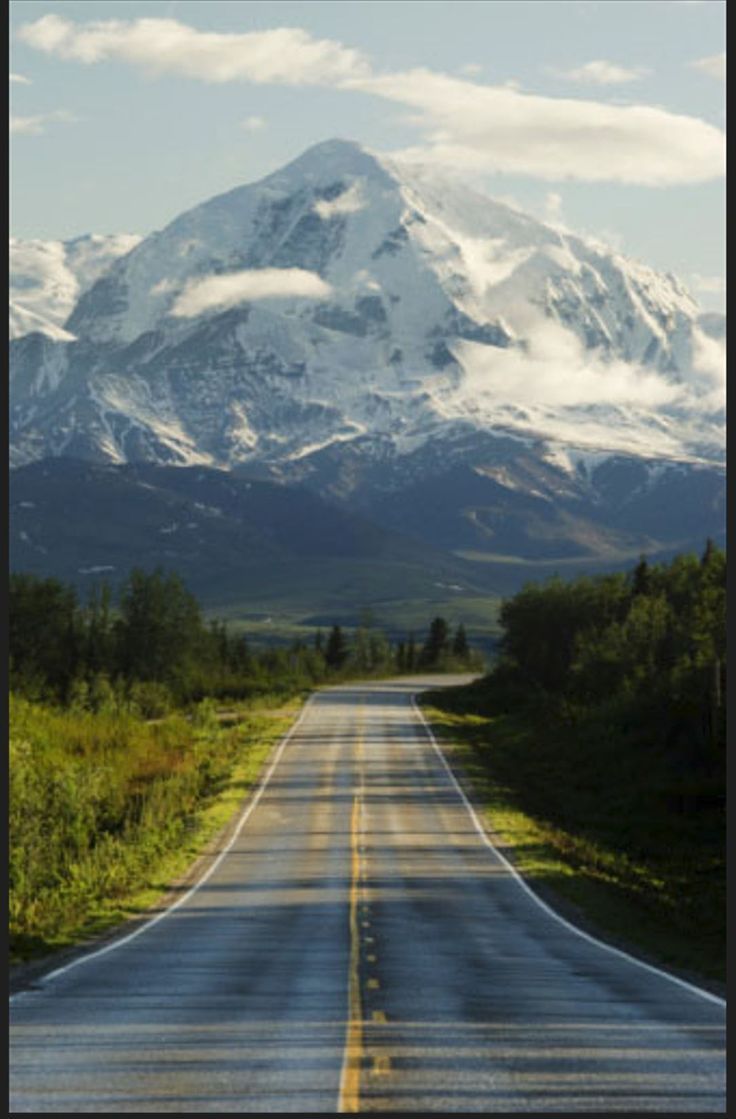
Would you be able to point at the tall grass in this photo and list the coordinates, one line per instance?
(98, 802)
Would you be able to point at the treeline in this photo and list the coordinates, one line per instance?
(652, 642)
(644, 652)
(601, 732)
(149, 647)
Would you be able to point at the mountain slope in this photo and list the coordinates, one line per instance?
(361, 327)
(239, 541)
(47, 278)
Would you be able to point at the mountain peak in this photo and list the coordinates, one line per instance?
(330, 158)
(348, 300)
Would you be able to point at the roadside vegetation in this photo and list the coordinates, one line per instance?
(597, 746)
(136, 729)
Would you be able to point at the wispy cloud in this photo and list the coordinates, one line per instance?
(219, 292)
(465, 124)
(560, 390)
(554, 369)
(600, 72)
(553, 207)
(349, 202)
(20, 79)
(253, 124)
(502, 130)
(36, 125)
(714, 65)
(287, 55)
(708, 285)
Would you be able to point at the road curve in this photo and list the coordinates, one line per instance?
(360, 946)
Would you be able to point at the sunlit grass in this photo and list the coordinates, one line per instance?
(107, 811)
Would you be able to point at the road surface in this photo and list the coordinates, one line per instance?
(360, 946)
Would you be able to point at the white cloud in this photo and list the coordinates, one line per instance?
(472, 69)
(709, 285)
(287, 55)
(349, 202)
(557, 389)
(713, 64)
(253, 124)
(467, 124)
(484, 128)
(553, 207)
(163, 287)
(36, 125)
(600, 72)
(554, 369)
(223, 291)
(20, 79)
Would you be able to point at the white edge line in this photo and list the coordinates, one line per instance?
(535, 897)
(200, 881)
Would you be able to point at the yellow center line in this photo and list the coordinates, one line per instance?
(381, 1064)
(350, 1079)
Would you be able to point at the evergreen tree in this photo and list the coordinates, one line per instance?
(45, 634)
(160, 631)
(460, 647)
(641, 580)
(436, 645)
(336, 651)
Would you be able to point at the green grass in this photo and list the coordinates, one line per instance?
(589, 823)
(106, 811)
(281, 621)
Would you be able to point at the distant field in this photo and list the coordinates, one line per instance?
(280, 619)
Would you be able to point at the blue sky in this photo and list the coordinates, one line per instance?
(604, 116)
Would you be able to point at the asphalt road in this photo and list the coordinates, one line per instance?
(360, 946)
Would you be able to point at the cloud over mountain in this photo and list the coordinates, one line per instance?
(464, 123)
(219, 292)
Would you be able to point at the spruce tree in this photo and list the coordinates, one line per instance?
(436, 645)
(460, 647)
(336, 651)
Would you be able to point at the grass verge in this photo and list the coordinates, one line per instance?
(108, 814)
(593, 836)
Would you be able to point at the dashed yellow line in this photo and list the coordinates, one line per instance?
(381, 1064)
(350, 1080)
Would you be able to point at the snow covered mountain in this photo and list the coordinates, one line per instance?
(48, 277)
(361, 326)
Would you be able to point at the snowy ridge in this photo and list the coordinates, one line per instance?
(432, 312)
(48, 277)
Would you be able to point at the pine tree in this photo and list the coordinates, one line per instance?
(460, 647)
(641, 580)
(336, 651)
(436, 645)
